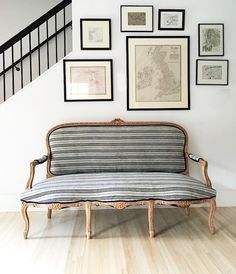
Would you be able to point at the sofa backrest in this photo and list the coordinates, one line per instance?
(116, 147)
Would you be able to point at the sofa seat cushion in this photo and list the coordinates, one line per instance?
(116, 187)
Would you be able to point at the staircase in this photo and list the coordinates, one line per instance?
(35, 49)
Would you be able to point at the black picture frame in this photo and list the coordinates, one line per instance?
(184, 71)
(213, 54)
(122, 27)
(181, 11)
(90, 62)
(82, 34)
(212, 81)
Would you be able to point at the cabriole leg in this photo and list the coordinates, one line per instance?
(88, 219)
(25, 218)
(49, 213)
(212, 203)
(151, 219)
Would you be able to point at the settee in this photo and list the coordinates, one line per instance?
(117, 164)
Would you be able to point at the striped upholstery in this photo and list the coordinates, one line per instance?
(114, 187)
(93, 149)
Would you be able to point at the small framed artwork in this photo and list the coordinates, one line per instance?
(136, 18)
(169, 19)
(212, 72)
(157, 72)
(95, 34)
(88, 80)
(211, 39)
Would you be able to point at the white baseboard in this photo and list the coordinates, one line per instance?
(11, 202)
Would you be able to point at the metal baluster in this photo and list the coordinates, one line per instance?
(64, 20)
(21, 64)
(13, 75)
(56, 37)
(47, 44)
(4, 76)
(39, 60)
(30, 57)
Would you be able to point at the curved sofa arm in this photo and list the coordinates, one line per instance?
(204, 165)
(33, 164)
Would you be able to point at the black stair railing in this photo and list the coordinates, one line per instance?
(13, 63)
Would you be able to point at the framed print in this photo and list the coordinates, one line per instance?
(88, 80)
(211, 39)
(212, 72)
(136, 18)
(158, 72)
(171, 19)
(95, 34)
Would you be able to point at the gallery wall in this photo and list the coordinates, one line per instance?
(26, 117)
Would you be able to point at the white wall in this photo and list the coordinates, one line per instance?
(15, 15)
(211, 122)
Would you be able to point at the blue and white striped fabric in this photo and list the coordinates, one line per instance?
(92, 149)
(118, 186)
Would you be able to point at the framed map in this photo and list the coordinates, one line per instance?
(171, 19)
(212, 72)
(88, 80)
(95, 34)
(157, 72)
(136, 18)
(211, 39)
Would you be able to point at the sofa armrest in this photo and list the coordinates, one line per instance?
(41, 160)
(33, 164)
(194, 158)
(204, 165)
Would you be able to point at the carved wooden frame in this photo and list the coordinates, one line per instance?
(119, 205)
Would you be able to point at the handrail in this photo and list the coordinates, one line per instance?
(34, 25)
(10, 84)
(13, 65)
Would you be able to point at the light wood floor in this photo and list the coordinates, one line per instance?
(121, 244)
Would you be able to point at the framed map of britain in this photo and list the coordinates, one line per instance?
(158, 72)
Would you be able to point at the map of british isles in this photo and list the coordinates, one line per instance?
(158, 73)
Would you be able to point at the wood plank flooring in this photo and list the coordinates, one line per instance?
(120, 243)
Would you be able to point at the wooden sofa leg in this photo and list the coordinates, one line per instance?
(88, 219)
(26, 219)
(151, 219)
(49, 213)
(212, 203)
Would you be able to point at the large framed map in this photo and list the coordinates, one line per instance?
(157, 72)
